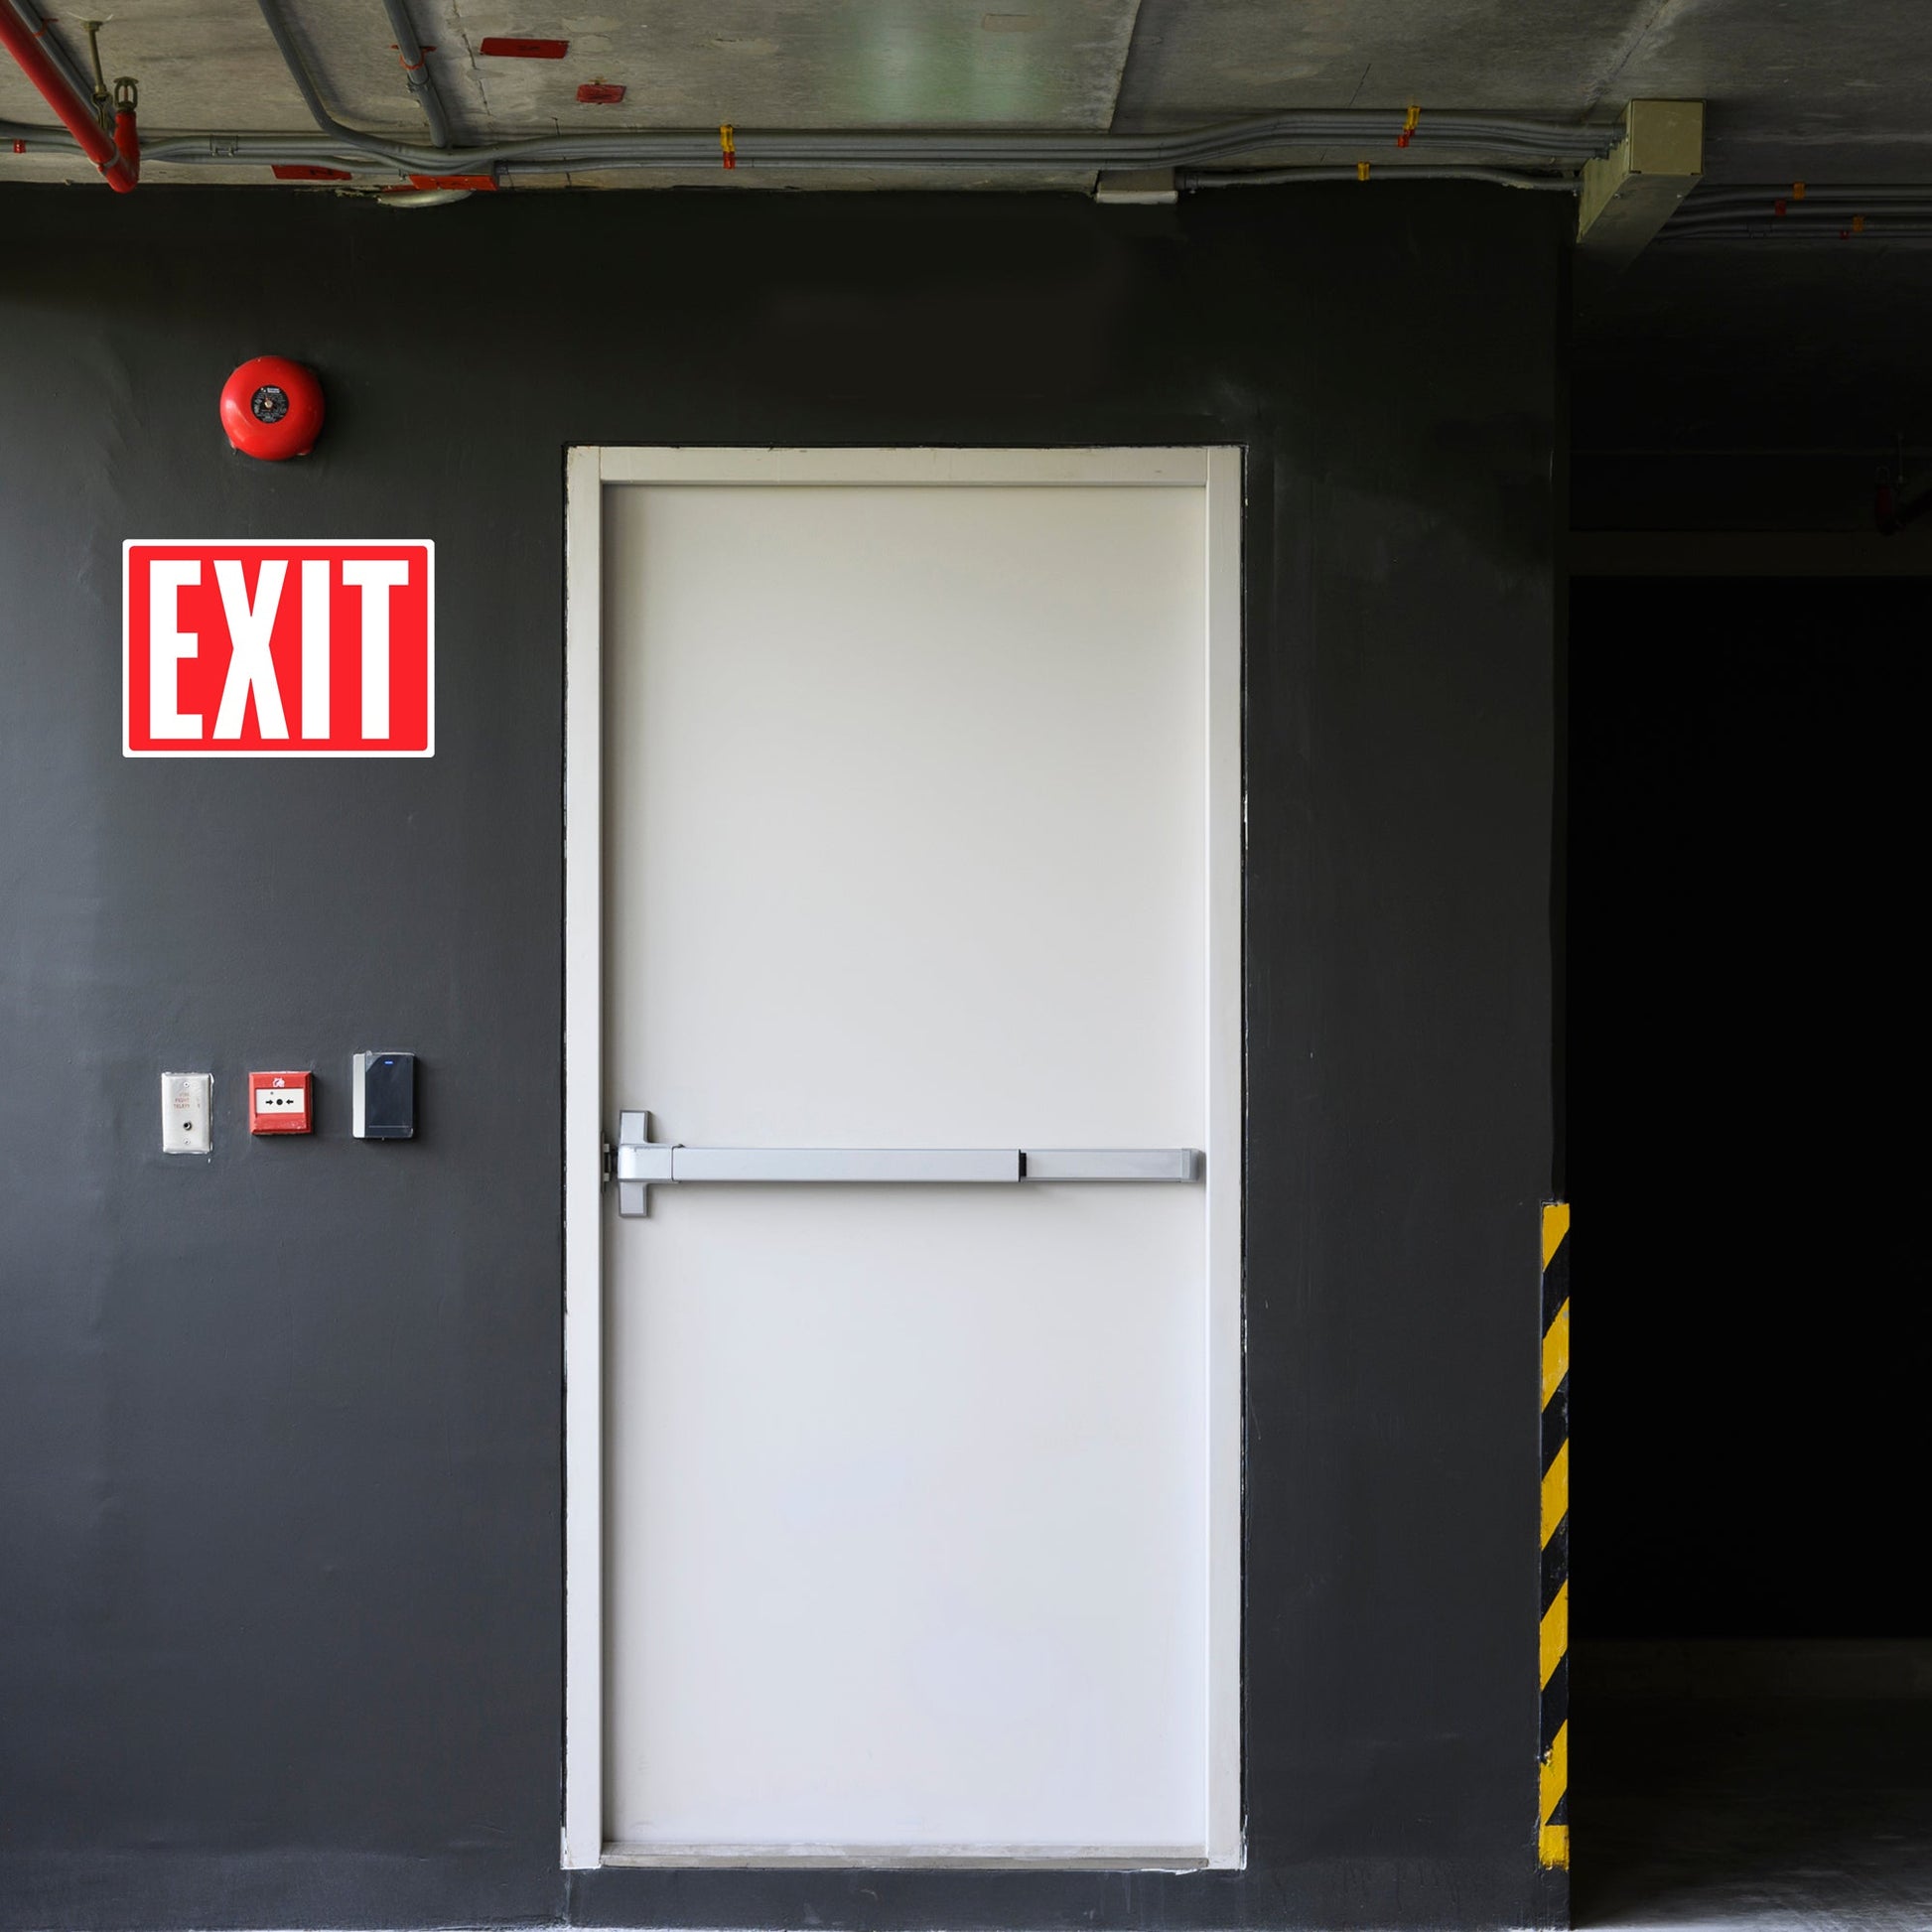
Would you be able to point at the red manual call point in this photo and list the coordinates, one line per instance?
(281, 1103)
(271, 408)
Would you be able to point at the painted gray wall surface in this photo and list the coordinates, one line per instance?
(281, 1624)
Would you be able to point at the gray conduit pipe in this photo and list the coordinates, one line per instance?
(278, 26)
(970, 149)
(305, 149)
(41, 30)
(1831, 216)
(1762, 195)
(1191, 178)
(1892, 212)
(1825, 217)
(1878, 236)
(1877, 232)
(415, 71)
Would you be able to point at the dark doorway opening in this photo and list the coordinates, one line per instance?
(1751, 1683)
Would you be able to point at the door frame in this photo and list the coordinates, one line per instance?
(590, 470)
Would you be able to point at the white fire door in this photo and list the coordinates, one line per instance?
(907, 1526)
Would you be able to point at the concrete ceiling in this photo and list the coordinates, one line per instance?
(1791, 84)
(1794, 88)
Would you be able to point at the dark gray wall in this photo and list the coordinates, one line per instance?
(280, 1436)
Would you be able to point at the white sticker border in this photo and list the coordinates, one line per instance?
(130, 544)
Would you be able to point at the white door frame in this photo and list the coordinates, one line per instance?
(1217, 471)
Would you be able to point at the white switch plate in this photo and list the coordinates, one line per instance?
(185, 1105)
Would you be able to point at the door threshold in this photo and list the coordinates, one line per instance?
(934, 1858)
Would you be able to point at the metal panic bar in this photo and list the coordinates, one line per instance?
(642, 1163)
(909, 1164)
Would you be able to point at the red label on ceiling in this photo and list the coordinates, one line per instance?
(510, 47)
(278, 649)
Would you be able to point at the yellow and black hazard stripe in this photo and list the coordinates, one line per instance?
(1553, 1781)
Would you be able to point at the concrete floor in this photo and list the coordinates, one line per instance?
(1751, 1812)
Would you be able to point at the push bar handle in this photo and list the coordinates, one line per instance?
(642, 1162)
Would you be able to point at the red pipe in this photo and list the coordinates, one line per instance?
(127, 141)
(119, 159)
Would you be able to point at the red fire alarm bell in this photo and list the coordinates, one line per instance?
(279, 1103)
(271, 408)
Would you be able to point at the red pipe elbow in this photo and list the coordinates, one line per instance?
(125, 170)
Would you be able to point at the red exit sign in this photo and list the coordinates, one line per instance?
(278, 649)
